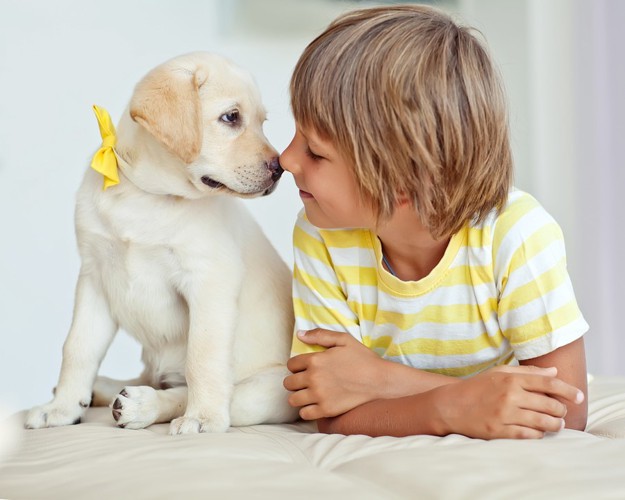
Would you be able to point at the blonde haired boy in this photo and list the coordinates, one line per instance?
(421, 278)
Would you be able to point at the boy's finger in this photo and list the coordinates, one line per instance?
(295, 382)
(311, 412)
(544, 404)
(301, 398)
(300, 362)
(520, 432)
(554, 387)
(324, 338)
(539, 421)
(529, 369)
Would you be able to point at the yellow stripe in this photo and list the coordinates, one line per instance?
(378, 344)
(320, 314)
(543, 325)
(320, 286)
(469, 275)
(459, 275)
(535, 244)
(366, 312)
(382, 346)
(450, 314)
(538, 287)
(445, 347)
(357, 276)
(511, 216)
(310, 245)
(346, 238)
(466, 371)
(478, 237)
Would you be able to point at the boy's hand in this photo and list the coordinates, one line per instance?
(506, 402)
(328, 383)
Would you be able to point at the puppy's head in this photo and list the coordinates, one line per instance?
(198, 127)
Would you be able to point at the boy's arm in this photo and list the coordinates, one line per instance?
(377, 397)
(570, 361)
(504, 402)
(348, 374)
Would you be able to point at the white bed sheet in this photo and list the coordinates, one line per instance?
(95, 459)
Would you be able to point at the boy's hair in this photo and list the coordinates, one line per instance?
(414, 103)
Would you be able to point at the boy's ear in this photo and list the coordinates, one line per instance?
(167, 104)
(403, 200)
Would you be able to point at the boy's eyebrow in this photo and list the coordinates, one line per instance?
(314, 144)
(320, 150)
(311, 142)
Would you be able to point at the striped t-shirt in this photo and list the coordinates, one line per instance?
(500, 292)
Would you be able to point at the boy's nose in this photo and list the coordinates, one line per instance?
(286, 161)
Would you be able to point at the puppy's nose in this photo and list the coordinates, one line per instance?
(275, 168)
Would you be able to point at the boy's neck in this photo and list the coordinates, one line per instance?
(408, 246)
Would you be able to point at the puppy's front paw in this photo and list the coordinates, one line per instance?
(193, 425)
(53, 414)
(135, 407)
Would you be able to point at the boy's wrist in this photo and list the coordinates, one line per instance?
(438, 406)
(382, 374)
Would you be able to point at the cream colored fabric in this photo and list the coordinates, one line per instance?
(98, 460)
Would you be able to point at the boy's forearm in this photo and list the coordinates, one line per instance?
(503, 402)
(570, 360)
(401, 380)
(406, 416)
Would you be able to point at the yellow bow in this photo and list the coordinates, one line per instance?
(105, 161)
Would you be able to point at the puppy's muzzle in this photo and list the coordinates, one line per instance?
(275, 168)
(276, 172)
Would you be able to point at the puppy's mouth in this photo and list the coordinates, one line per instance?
(212, 183)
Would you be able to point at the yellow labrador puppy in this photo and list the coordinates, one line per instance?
(172, 257)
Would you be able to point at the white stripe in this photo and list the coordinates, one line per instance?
(314, 267)
(439, 331)
(529, 223)
(433, 362)
(353, 256)
(472, 256)
(537, 308)
(304, 324)
(546, 259)
(548, 343)
(310, 297)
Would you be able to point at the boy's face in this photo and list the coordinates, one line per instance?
(326, 181)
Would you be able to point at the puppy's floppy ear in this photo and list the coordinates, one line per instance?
(167, 104)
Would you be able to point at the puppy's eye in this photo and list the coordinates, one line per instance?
(231, 117)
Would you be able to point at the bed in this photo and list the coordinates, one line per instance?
(96, 459)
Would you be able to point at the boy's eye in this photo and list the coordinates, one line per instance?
(312, 155)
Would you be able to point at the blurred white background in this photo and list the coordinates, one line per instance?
(564, 75)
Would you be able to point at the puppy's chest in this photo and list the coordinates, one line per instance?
(141, 284)
(140, 263)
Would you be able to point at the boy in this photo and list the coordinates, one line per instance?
(419, 274)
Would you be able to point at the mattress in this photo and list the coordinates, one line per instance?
(96, 459)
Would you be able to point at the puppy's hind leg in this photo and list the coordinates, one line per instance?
(262, 399)
(105, 389)
(139, 407)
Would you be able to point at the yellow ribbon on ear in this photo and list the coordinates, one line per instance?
(105, 160)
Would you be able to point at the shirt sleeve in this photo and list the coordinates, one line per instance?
(319, 300)
(537, 309)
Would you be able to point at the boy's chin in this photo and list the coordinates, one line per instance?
(322, 222)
